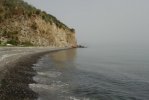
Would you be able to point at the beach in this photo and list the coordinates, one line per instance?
(16, 71)
(100, 73)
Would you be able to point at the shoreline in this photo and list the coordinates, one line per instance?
(16, 75)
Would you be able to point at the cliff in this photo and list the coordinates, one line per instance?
(22, 24)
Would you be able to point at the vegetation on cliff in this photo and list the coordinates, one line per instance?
(12, 10)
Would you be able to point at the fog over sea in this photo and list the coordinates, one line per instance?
(103, 72)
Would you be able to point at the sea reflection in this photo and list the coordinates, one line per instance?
(62, 58)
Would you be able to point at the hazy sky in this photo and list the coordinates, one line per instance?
(102, 21)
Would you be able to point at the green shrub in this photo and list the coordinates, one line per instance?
(1, 10)
(72, 30)
(1, 19)
(34, 26)
(38, 12)
(29, 14)
(14, 33)
(27, 43)
(13, 42)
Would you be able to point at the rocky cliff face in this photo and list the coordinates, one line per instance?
(37, 32)
(32, 29)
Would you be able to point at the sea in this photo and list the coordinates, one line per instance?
(106, 72)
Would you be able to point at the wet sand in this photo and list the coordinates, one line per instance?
(17, 74)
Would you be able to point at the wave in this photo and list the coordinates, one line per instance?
(49, 73)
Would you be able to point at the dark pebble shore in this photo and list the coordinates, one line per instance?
(15, 78)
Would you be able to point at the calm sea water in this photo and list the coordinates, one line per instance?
(103, 73)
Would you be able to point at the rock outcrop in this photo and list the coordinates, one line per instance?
(36, 28)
